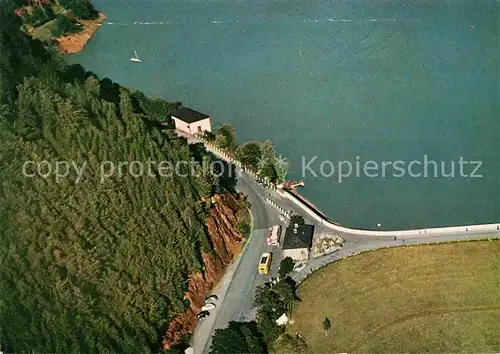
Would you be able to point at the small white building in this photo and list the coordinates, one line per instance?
(298, 242)
(190, 121)
(282, 320)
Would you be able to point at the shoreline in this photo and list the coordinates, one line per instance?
(494, 226)
(322, 218)
(445, 230)
(75, 43)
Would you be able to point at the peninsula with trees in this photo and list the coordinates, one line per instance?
(67, 23)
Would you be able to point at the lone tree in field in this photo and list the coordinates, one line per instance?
(286, 266)
(326, 325)
(296, 219)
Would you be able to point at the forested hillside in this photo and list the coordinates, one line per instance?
(88, 265)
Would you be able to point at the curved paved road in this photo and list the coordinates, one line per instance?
(236, 293)
(236, 290)
(357, 243)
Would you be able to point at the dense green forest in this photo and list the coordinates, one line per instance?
(89, 265)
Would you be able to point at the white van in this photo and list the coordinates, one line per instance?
(274, 235)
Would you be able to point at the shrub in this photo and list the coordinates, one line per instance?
(296, 219)
(244, 228)
(225, 138)
(83, 9)
(66, 3)
(249, 153)
(286, 266)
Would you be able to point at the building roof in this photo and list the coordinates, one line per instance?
(298, 237)
(188, 115)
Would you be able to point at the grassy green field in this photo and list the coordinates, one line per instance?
(439, 298)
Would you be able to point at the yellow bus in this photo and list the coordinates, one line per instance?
(265, 263)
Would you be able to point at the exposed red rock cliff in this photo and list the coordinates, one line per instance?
(226, 241)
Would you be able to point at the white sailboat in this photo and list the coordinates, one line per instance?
(135, 58)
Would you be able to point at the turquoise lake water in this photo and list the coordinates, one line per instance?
(382, 80)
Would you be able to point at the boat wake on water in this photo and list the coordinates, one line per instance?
(137, 23)
(140, 23)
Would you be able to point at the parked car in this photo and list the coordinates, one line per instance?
(299, 266)
(275, 280)
(212, 297)
(202, 314)
(208, 306)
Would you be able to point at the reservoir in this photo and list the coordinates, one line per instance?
(334, 84)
